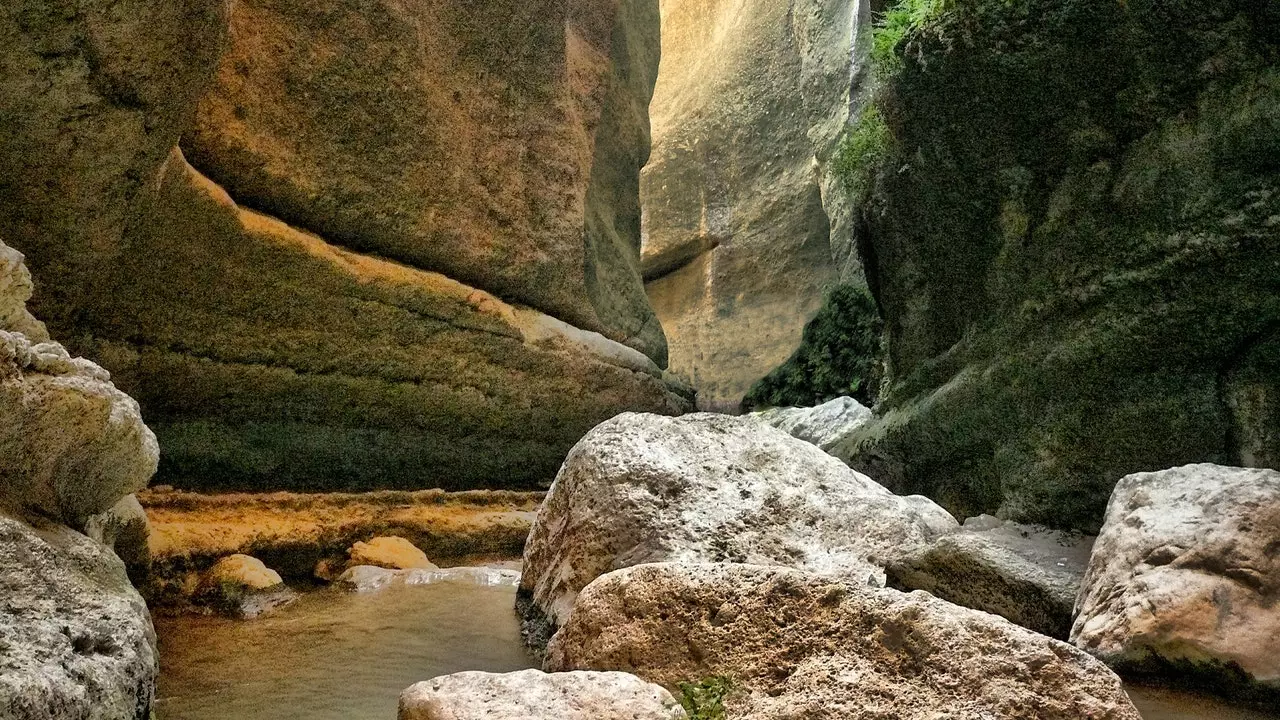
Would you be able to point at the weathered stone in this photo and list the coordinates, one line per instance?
(367, 578)
(1185, 577)
(743, 227)
(1027, 574)
(797, 645)
(823, 425)
(499, 143)
(535, 695)
(125, 529)
(242, 586)
(76, 641)
(1074, 287)
(709, 488)
(390, 552)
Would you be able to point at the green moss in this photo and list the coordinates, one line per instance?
(840, 353)
(863, 145)
(704, 700)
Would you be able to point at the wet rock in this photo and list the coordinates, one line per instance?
(125, 529)
(367, 578)
(391, 552)
(535, 695)
(823, 425)
(1185, 578)
(709, 488)
(798, 645)
(242, 586)
(76, 641)
(1027, 574)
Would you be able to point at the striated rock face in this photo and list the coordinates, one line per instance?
(823, 425)
(744, 224)
(1026, 574)
(709, 488)
(535, 695)
(432, 167)
(498, 143)
(1073, 238)
(1185, 577)
(796, 645)
(76, 641)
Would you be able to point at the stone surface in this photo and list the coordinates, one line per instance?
(76, 641)
(367, 578)
(535, 695)
(342, 371)
(797, 645)
(242, 586)
(498, 143)
(1185, 577)
(125, 529)
(392, 552)
(709, 488)
(823, 425)
(743, 227)
(1027, 574)
(1073, 239)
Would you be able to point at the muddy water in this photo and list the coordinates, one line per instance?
(347, 657)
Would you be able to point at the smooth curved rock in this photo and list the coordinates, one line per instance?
(1027, 574)
(126, 530)
(797, 645)
(535, 695)
(823, 425)
(709, 488)
(1185, 576)
(76, 641)
(242, 586)
(390, 552)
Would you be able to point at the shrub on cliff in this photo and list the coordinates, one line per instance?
(840, 353)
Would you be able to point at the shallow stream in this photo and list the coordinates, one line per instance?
(333, 656)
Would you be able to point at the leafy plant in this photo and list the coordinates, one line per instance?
(704, 700)
(893, 26)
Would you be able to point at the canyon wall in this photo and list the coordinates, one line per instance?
(745, 225)
(1074, 236)
(398, 245)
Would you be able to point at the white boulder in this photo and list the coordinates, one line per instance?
(535, 695)
(823, 425)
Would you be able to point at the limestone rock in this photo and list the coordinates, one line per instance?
(1084, 286)
(709, 488)
(796, 645)
(391, 552)
(1027, 574)
(823, 425)
(242, 586)
(125, 529)
(76, 641)
(498, 143)
(1185, 575)
(367, 578)
(535, 695)
(743, 226)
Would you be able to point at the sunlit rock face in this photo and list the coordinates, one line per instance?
(1073, 237)
(744, 225)
(413, 260)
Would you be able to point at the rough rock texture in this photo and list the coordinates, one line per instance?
(743, 225)
(796, 645)
(242, 586)
(125, 529)
(709, 488)
(342, 371)
(1185, 576)
(1027, 574)
(823, 425)
(1073, 237)
(499, 143)
(391, 552)
(535, 695)
(76, 641)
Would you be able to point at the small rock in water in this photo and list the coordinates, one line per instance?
(535, 695)
(242, 586)
(392, 552)
(368, 578)
(1185, 576)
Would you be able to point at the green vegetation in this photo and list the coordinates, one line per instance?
(860, 151)
(704, 700)
(893, 26)
(841, 353)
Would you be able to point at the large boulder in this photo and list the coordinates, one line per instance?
(1185, 578)
(796, 645)
(1027, 574)
(76, 641)
(242, 586)
(535, 695)
(709, 488)
(745, 225)
(1072, 238)
(823, 425)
